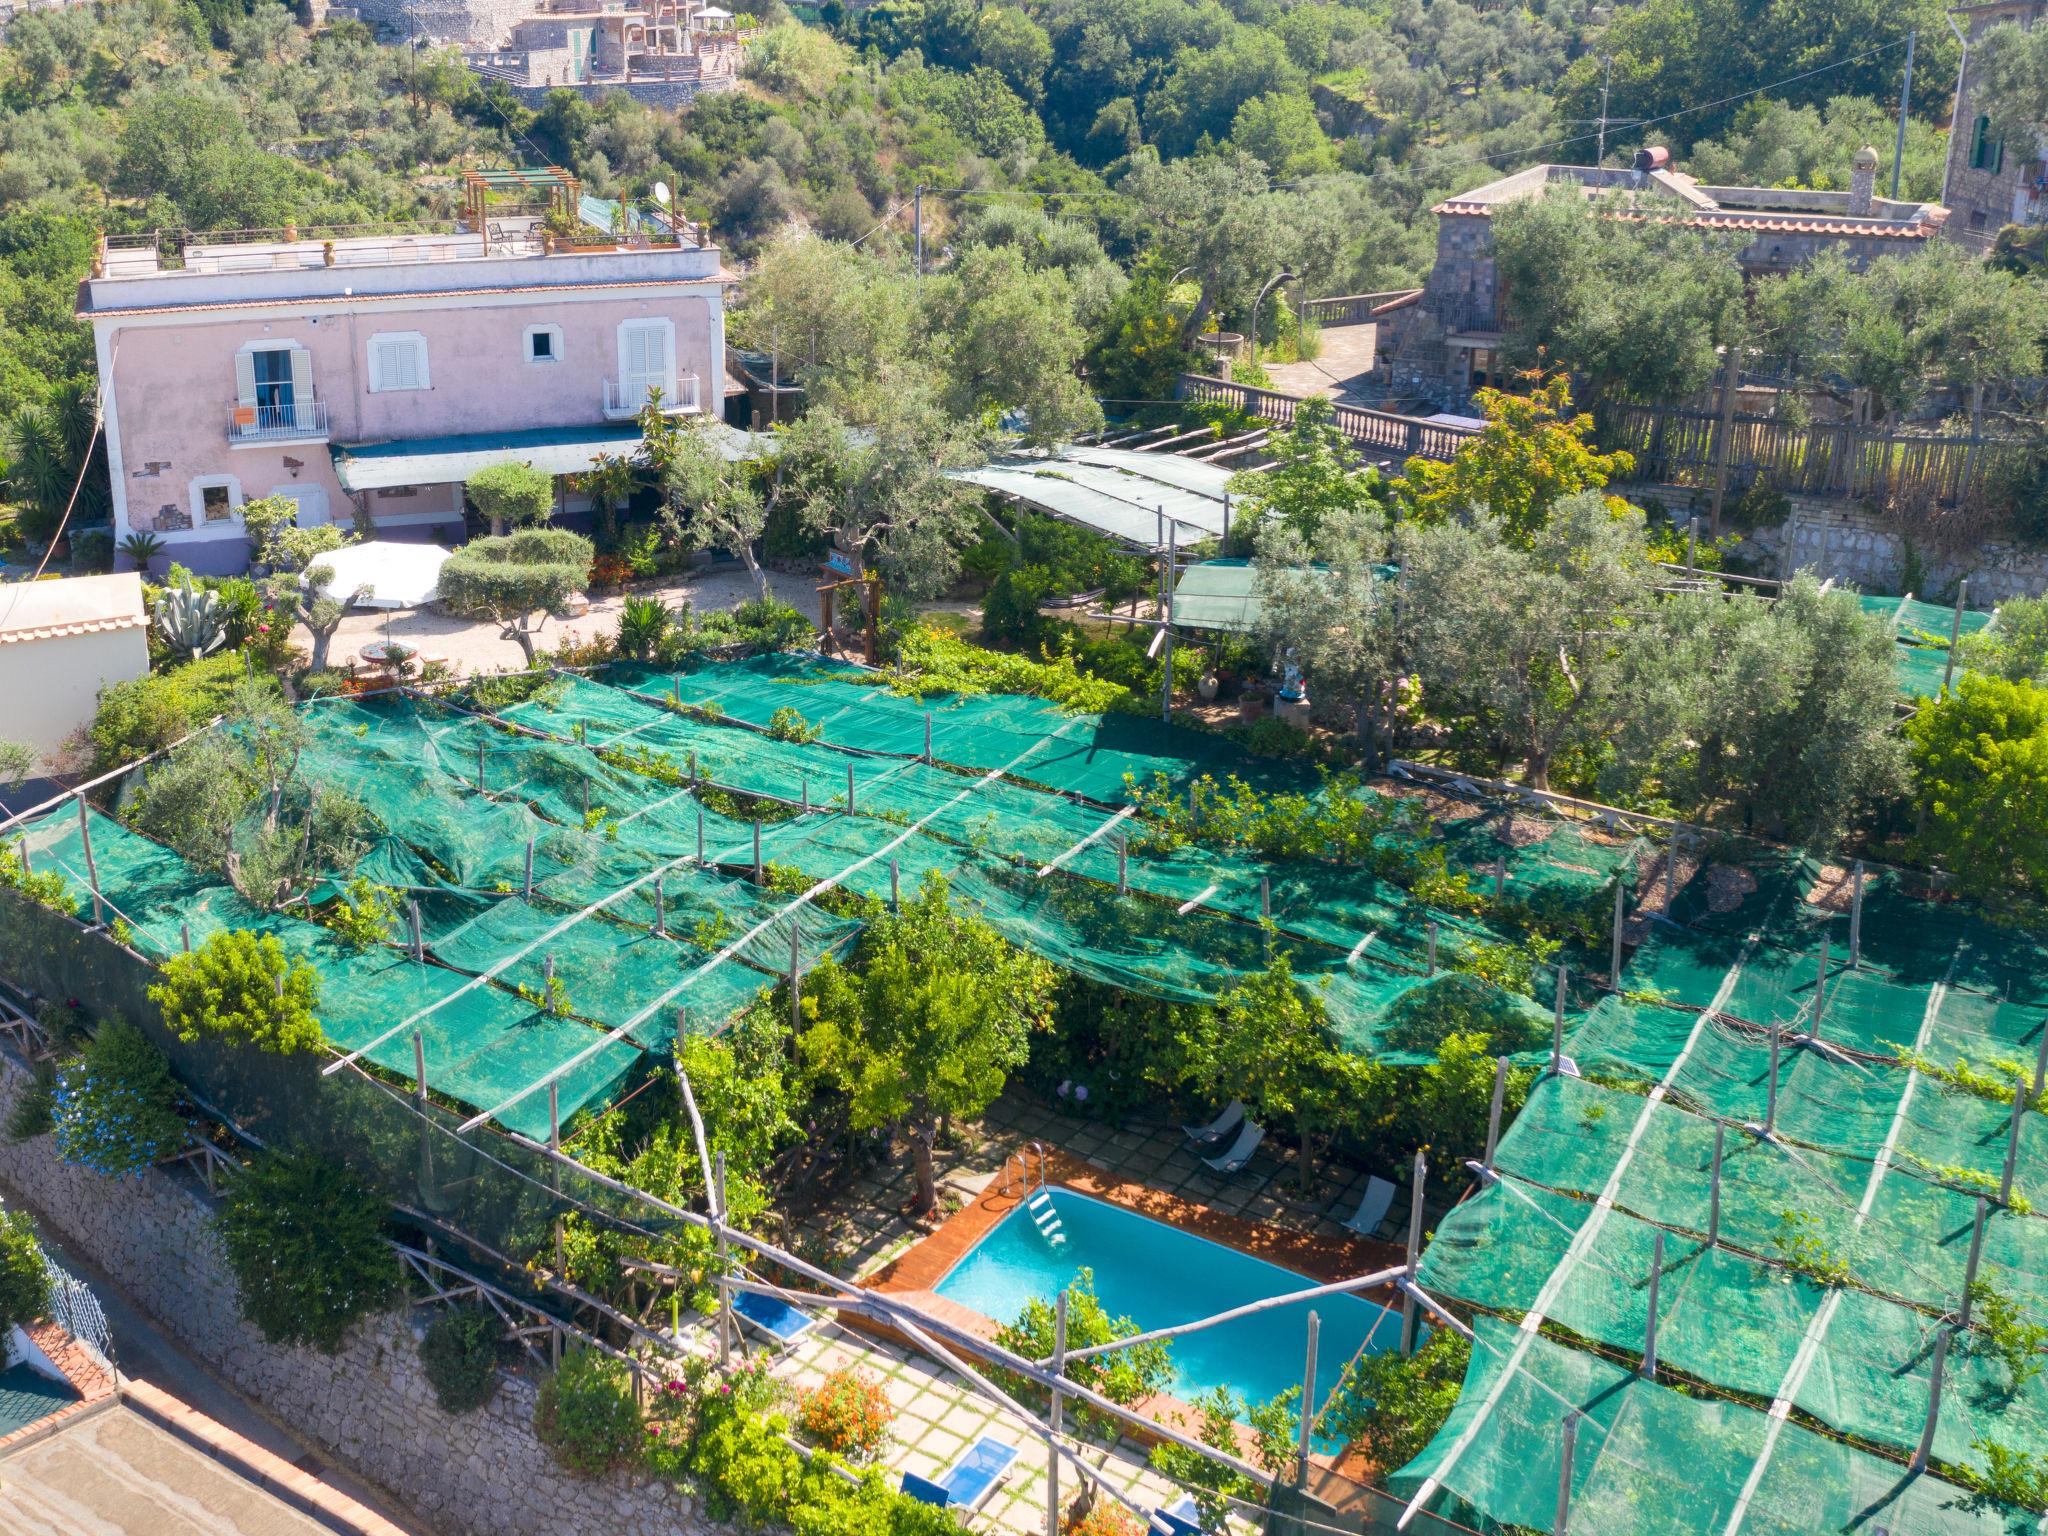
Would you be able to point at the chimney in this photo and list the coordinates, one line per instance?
(1653, 158)
(1862, 182)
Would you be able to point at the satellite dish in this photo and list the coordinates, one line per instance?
(661, 193)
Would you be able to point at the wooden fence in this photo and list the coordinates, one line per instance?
(1381, 432)
(1823, 459)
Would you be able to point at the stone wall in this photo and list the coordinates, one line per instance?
(369, 1407)
(1834, 538)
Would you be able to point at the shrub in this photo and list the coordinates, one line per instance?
(147, 714)
(305, 1239)
(789, 724)
(1123, 1376)
(847, 1413)
(512, 495)
(586, 1415)
(24, 1279)
(34, 1111)
(243, 986)
(1392, 1405)
(45, 887)
(643, 624)
(114, 1109)
(460, 1355)
(363, 915)
(1103, 1517)
(510, 579)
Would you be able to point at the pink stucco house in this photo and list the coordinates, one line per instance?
(375, 373)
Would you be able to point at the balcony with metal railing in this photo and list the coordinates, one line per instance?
(626, 398)
(300, 421)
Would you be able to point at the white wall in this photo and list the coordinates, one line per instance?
(50, 688)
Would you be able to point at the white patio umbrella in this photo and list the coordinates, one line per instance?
(398, 575)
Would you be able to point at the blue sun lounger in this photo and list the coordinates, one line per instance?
(966, 1484)
(777, 1319)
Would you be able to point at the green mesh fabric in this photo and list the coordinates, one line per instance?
(1648, 1459)
(1922, 632)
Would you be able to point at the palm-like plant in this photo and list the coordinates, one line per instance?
(141, 549)
(643, 624)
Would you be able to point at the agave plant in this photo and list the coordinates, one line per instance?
(192, 622)
(642, 625)
(141, 549)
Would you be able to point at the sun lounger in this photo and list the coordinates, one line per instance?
(1241, 1150)
(1206, 1138)
(777, 1319)
(965, 1485)
(1371, 1214)
(1180, 1518)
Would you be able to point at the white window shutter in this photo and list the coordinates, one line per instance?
(245, 378)
(666, 338)
(417, 350)
(302, 375)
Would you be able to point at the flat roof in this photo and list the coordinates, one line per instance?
(71, 605)
(551, 450)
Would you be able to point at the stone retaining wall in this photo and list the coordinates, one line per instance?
(369, 1406)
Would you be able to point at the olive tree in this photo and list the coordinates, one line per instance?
(1327, 599)
(517, 580)
(707, 501)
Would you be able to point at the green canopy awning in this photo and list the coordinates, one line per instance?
(551, 450)
(1217, 594)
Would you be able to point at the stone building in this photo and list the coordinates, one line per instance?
(1439, 342)
(1989, 183)
(666, 52)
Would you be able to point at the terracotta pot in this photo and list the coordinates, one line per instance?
(1250, 705)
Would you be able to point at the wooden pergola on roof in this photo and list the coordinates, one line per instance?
(550, 184)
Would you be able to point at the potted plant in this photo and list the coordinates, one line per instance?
(1251, 704)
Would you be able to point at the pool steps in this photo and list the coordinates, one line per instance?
(1040, 1206)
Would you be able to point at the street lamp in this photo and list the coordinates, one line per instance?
(1282, 276)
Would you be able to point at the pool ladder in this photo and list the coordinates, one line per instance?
(1037, 1201)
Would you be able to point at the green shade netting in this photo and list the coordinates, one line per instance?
(1650, 1460)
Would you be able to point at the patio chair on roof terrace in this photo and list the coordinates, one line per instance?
(1240, 1151)
(1180, 1518)
(1371, 1214)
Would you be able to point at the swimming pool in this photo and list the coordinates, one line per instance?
(1158, 1276)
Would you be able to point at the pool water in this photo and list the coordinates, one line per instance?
(1157, 1276)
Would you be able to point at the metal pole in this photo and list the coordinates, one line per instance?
(724, 1270)
(529, 869)
(1933, 1403)
(92, 869)
(1650, 1322)
(1059, 1367)
(1557, 1026)
(1308, 1402)
(1955, 637)
(1432, 947)
(1414, 1251)
(757, 853)
(1856, 915)
(1714, 1189)
(1620, 916)
(1976, 1257)
(1500, 1089)
(2012, 1143)
(1123, 855)
(1905, 100)
(1568, 1439)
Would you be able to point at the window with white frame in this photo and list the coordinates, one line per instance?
(215, 499)
(647, 361)
(543, 343)
(398, 360)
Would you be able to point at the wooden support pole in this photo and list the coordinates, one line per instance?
(1431, 969)
(849, 789)
(1059, 1367)
(1671, 872)
(1820, 990)
(1557, 1024)
(92, 869)
(1933, 1403)
(1771, 1091)
(419, 1067)
(700, 837)
(185, 936)
(1650, 1321)
(1500, 880)
(927, 735)
(895, 888)
(807, 794)
(1123, 860)
(586, 803)
(2012, 1143)
(419, 946)
(796, 974)
(1620, 918)
(1856, 915)
(1714, 1188)
(1415, 1191)
(757, 853)
(1308, 1402)
(529, 869)
(1567, 1443)
(660, 908)
(724, 1266)
(694, 779)
(1976, 1258)
(480, 765)
(2041, 1063)
(1500, 1089)
(1955, 637)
